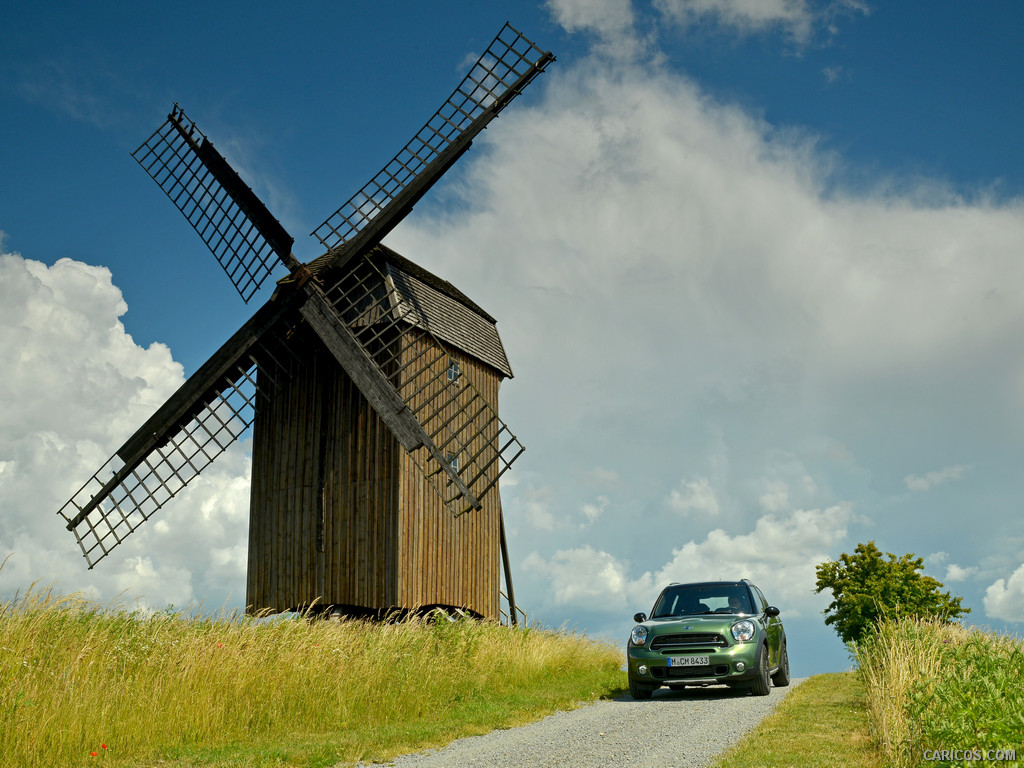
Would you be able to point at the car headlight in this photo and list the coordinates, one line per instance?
(743, 631)
(638, 635)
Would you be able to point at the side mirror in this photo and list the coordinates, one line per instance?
(771, 611)
(639, 618)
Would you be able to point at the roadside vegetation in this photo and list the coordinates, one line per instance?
(823, 722)
(82, 684)
(932, 685)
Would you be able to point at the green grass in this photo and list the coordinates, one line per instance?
(229, 691)
(822, 722)
(934, 685)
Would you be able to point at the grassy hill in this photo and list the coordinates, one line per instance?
(82, 683)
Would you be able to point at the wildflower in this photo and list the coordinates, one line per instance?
(103, 746)
(93, 754)
(219, 645)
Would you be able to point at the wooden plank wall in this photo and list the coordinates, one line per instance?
(338, 547)
(444, 560)
(388, 541)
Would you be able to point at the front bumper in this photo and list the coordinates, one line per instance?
(732, 665)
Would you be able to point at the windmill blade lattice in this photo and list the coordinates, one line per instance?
(152, 467)
(469, 445)
(508, 65)
(245, 238)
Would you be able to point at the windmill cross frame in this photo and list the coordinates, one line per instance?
(374, 326)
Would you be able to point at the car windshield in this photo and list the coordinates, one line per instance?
(687, 600)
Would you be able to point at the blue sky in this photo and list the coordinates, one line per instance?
(756, 267)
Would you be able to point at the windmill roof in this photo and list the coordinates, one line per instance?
(450, 315)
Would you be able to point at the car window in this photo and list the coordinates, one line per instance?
(695, 600)
(762, 603)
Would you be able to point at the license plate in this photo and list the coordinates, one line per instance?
(687, 661)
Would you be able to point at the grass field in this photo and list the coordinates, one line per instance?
(82, 684)
(822, 723)
(77, 679)
(936, 686)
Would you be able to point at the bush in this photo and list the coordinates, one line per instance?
(935, 685)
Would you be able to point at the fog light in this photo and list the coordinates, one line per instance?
(740, 666)
(642, 669)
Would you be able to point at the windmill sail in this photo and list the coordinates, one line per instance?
(508, 65)
(245, 238)
(207, 413)
(466, 447)
(370, 317)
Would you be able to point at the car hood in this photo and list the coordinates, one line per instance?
(701, 623)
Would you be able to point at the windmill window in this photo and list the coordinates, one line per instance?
(452, 459)
(454, 371)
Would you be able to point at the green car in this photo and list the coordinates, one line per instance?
(708, 633)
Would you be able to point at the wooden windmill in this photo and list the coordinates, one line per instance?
(371, 386)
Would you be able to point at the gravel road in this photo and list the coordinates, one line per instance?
(674, 729)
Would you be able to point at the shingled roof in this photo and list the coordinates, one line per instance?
(449, 314)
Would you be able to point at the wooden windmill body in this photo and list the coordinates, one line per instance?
(340, 514)
(371, 386)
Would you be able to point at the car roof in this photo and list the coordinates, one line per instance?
(741, 582)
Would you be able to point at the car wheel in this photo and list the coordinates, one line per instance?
(781, 677)
(762, 683)
(639, 691)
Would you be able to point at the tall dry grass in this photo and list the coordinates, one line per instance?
(934, 685)
(77, 678)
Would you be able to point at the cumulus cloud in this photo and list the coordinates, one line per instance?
(779, 554)
(666, 267)
(929, 480)
(799, 19)
(582, 577)
(956, 572)
(592, 511)
(1004, 599)
(75, 386)
(694, 496)
(610, 21)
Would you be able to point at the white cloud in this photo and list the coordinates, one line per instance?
(1004, 599)
(611, 21)
(75, 386)
(929, 480)
(536, 510)
(582, 577)
(779, 554)
(955, 572)
(797, 18)
(694, 496)
(593, 511)
(776, 497)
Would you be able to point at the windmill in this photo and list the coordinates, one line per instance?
(370, 383)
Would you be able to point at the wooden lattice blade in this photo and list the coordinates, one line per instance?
(463, 447)
(198, 423)
(508, 65)
(243, 236)
(368, 377)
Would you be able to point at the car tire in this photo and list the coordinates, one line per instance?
(781, 677)
(639, 691)
(762, 684)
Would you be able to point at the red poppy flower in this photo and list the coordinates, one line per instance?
(93, 754)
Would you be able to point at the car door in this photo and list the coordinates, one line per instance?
(773, 628)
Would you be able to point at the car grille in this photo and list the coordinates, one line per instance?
(681, 673)
(690, 641)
